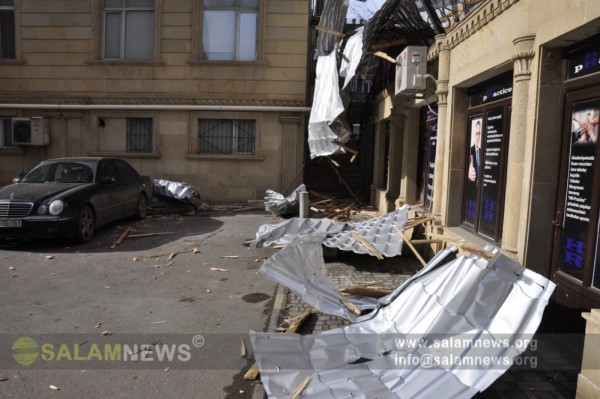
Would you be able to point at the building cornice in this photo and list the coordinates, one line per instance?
(478, 18)
(179, 101)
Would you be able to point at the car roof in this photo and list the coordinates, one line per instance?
(77, 159)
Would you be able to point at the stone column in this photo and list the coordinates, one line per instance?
(440, 151)
(292, 153)
(395, 158)
(517, 143)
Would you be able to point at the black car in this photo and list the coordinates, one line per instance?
(71, 197)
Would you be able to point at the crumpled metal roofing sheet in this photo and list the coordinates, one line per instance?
(429, 342)
(174, 189)
(351, 56)
(285, 232)
(380, 232)
(327, 105)
(301, 268)
(278, 204)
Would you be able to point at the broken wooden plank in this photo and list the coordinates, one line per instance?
(122, 237)
(143, 235)
(329, 30)
(252, 373)
(371, 292)
(352, 307)
(297, 321)
(412, 247)
(366, 244)
(466, 246)
(383, 55)
(170, 255)
(298, 391)
(250, 208)
(295, 324)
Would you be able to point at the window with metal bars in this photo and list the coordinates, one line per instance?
(226, 136)
(7, 29)
(139, 134)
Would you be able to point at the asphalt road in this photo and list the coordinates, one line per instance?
(73, 315)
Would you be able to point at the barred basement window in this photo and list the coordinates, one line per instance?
(5, 133)
(226, 137)
(139, 134)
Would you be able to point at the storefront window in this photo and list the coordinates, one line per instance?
(580, 189)
(485, 164)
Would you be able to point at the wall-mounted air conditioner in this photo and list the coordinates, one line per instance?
(30, 131)
(411, 68)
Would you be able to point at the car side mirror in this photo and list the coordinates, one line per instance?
(107, 180)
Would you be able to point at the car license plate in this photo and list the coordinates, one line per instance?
(10, 222)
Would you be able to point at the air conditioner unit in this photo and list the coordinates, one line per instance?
(30, 131)
(411, 68)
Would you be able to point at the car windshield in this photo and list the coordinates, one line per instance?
(60, 172)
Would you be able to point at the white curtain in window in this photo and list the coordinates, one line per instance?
(247, 37)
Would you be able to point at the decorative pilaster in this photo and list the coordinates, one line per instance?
(514, 200)
(440, 177)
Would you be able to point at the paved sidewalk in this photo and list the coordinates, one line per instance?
(554, 375)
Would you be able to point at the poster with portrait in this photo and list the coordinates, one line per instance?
(473, 169)
(580, 186)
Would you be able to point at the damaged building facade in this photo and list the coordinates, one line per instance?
(212, 93)
(501, 148)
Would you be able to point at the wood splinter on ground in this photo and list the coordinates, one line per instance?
(122, 237)
(170, 255)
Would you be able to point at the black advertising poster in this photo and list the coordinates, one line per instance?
(431, 166)
(491, 177)
(473, 177)
(580, 185)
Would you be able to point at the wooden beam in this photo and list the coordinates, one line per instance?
(385, 56)
(366, 244)
(412, 247)
(382, 45)
(330, 31)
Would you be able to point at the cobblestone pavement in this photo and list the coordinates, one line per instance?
(553, 377)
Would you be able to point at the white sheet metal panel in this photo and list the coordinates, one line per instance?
(327, 105)
(447, 314)
(352, 56)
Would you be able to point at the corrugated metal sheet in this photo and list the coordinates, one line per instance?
(448, 332)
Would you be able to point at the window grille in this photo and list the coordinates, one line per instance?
(139, 134)
(226, 137)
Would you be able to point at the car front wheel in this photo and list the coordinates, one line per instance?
(142, 207)
(85, 224)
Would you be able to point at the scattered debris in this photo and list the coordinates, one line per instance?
(456, 302)
(158, 322)
(218, 269)
(106, 333)
(229, 257)
(50, 257)
(376, 236)
(298, 391)
(4, 379)
(178, 195)
(11, 268)
(54, 387)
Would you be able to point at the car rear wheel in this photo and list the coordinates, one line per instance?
(86, 224)
(142, 207)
